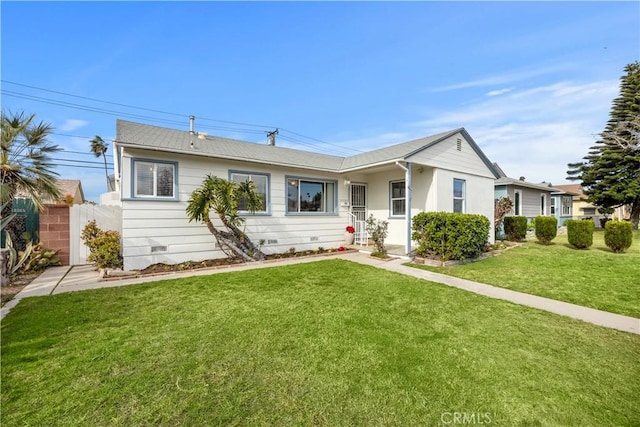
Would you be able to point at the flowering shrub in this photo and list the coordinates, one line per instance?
(341, 249)
(350, 229)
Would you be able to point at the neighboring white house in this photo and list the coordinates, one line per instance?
(309, 197)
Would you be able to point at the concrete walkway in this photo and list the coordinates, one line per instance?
(67, 279)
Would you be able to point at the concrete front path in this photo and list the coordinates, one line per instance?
(66, 279)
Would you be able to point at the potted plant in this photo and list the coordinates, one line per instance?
(349, 235)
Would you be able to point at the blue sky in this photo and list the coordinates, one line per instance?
(532, 82)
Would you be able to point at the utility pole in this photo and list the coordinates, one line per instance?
(271, 137)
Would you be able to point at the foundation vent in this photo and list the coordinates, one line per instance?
(272, 242)
(155, 249)
(314, 239)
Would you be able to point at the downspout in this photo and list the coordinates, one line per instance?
(407, 192)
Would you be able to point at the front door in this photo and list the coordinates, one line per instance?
(358, 201)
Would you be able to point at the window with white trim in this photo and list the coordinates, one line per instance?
(154, 179)
(566, 205)
(261, 182)
(459, 190)
(552, 206)
(306, 196)
(397, 198)
(543, 203)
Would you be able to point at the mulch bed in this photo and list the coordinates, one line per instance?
(162, 268)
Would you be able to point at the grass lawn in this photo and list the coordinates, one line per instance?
(325, 343)
(595, 277)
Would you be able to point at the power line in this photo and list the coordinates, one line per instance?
(130, 106)
(80, 161)
(117, 113)
(159, 120)
(94, 99)
(83, 153)
(323, 142)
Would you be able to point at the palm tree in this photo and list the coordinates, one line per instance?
(25, 162)
(99, 148)
(223, 198)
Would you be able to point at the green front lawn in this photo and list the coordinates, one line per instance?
(325, 343)
(595, 278)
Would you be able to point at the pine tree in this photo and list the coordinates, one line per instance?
(610, 173)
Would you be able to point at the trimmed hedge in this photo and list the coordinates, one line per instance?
(618, 235)
(515, 228)
(580, 232)
(450, 236)
(546, 229)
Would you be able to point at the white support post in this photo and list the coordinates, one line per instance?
(407, 183)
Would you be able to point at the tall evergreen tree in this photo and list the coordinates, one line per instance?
(610, 173)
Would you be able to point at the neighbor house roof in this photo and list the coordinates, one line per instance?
(518, 182)
(136, 135)
(70, 186)
(574, 189)
(65, 186)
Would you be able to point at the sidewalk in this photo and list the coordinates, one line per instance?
(67, 279)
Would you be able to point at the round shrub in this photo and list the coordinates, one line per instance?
(546, 229)
(448, 235)
(580, 233)
(515, 227)
(618, 235)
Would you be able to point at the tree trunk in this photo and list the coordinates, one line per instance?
(10, 229)
(635, 213)
(106, 172)
(235, 244)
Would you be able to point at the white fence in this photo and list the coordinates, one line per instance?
(107, 218)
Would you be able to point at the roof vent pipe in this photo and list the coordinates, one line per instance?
(191, 119)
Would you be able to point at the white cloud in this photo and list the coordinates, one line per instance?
(499, 92)
(534, 132)
(70, 125)
(508, 77)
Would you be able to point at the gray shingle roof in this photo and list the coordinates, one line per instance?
(163, 139)
(177, 141)
(517, 182)
(393, 152)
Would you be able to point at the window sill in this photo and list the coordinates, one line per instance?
(311, 214)
(150, 199)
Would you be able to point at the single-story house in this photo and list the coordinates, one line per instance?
(583, 209)
(562, 205)
(529, 199)
(309, 197)
(70, 189)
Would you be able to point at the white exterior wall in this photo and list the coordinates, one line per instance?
(149, 223)
(478, 195)
(445, 155)
(446, 159)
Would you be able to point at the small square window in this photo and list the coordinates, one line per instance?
(154, 179)
(260, 181)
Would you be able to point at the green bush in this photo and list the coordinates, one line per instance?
(450, 236)
(515, 227)
(618, 235)
(378, 230)
(104, 246)
(580, 232)
(546, 229)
